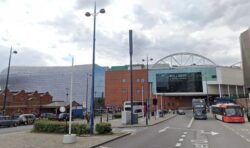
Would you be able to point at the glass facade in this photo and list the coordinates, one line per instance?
(181, 79)
(179, 82)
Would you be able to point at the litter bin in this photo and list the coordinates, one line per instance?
(248, 116)
(152, 113)
(135, 118)
(161, 114)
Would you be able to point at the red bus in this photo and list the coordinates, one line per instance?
(228, 112)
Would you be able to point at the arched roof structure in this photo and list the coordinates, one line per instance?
(184, 59)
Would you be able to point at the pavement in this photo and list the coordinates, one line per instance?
(28, 139)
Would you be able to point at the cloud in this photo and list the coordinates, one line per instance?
(80, 4)
(24, 57)
(145, 18)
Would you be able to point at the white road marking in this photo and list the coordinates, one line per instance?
(183, 136)
(163, 130)
(210, 133)
(103, 147)
(248, 140)
(132, 131)
(178, 144)
(190, 123)
(181, 139)
(185, 133)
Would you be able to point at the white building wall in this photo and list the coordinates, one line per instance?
(229, 76)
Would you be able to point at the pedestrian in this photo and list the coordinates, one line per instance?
(87, 118)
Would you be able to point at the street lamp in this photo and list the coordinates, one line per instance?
(87, 91)
(148, 107)
(93, 67)
(7, 81)
(67, 95)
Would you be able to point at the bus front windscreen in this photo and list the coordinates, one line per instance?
(232, 112)
(199, 110)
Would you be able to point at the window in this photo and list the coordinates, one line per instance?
(123, 80)
(138, 80)
(138, 91)
(213, 76)
(142, 80)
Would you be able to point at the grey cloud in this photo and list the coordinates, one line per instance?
(25, 57)
(4, 39)
(143, 16)
(203, 13)
(80, 4)
(69, 26)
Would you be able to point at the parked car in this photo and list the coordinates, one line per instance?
(47, 115)
(26, 119)
(8, 121)
(180, 112)
(51, 116)
(64, 117)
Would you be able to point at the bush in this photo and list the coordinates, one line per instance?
(103, 128)
(117, 116)
(47, 126)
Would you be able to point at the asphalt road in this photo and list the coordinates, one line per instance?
(184, 132)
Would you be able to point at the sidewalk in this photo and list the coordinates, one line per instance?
(42, 140)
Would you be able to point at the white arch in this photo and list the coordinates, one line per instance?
(184, 59)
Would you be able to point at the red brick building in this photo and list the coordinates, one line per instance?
(24, 102)
(117, 87)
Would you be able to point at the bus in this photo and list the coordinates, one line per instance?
(228, 113)
(138, 107)
(199, 109)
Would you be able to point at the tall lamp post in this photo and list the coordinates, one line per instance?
(93, 67)
(87, 91)
(7, 81)
(148, 107)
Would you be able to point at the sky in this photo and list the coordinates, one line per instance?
(49, 32)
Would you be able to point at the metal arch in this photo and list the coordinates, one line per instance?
(235, 64)
(171, 56)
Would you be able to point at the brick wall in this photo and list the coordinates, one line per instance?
(24, 102)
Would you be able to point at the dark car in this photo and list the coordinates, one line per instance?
(49, 116)
(8, 121)
(63, 117)
(180, 112)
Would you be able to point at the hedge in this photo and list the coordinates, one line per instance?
(103, 128)
(46, 126)
(117, 116)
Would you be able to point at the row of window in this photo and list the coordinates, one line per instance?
(138, 80)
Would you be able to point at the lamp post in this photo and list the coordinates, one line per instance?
(207, 90)
(67, 95)
(93, 67)
(148, 107)
(87, 90)
(7, 80)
